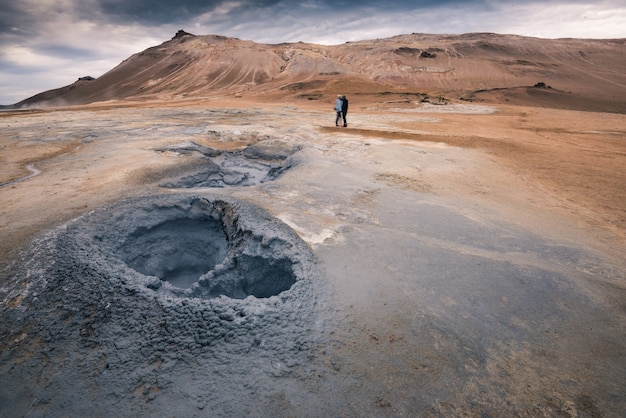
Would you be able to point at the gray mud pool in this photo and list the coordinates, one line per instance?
(255, 164)
(211, 291)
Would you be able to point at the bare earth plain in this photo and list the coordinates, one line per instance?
(469, 261)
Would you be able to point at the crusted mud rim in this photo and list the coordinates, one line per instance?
(181, 246)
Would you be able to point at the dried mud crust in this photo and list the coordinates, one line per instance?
(256, 163)
(153, 295)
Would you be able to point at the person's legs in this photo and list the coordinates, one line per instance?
(338, 118)
(345, 122)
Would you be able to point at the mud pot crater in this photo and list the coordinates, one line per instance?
(195, 247)
(224, 260)
(157, 293)
(204, 248)
(257, 163)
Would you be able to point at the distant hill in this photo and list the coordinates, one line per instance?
(52, 96)
(572, 73)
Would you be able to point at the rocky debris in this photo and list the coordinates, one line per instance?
(422, 53)
(542, 85)
(405, 50)
(181, 33)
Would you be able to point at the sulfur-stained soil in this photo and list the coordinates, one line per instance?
(249, 258)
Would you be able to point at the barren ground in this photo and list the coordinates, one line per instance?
(474, 254)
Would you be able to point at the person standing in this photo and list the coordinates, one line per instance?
(344, 110)
(338, 109)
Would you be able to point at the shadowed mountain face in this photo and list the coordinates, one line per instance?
(474, 66)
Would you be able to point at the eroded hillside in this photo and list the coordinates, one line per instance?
(471, 66)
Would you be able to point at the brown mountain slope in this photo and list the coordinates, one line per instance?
(52, 95)
(455, 66)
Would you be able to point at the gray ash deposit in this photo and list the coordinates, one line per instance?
(257, 163)
(156, 298)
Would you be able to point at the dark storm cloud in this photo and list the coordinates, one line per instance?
(167, 11)
(161, 11)
(154, 12)
(61, 40)
(12, 16)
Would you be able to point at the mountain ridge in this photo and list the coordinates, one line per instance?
(458, 67)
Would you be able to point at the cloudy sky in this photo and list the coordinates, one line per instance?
(45, 44)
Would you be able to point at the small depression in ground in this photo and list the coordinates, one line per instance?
(257, 163)
(200, 247)
(203, 248)
(177, 251)
(158, 293)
